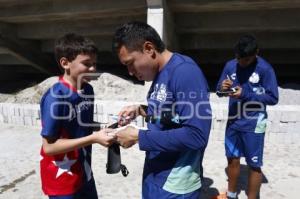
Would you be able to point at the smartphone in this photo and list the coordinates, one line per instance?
(226, 93)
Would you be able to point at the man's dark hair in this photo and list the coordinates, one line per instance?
(134, 34)
(246, 46)
(71, 45)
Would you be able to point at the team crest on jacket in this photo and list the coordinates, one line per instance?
(159, 93)
(254, 78)
(233, 76)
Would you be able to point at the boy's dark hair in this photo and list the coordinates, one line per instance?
(134, 34)
(246, 46)
(71, 45)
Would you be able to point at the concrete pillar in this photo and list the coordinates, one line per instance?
(161, 19)
(155, 19)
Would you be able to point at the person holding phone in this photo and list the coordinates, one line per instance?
(255, 86)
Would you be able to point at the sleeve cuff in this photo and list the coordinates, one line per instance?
(244, 93)
(142, 140)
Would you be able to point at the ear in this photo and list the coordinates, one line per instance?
(64, 63)
(148, 48)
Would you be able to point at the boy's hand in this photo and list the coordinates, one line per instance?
(236, 94)
(105, 137)
(127, 114)
(226, 84)
(128, 136)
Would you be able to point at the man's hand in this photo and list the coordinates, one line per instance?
(105, 137)
(226, 84)
(128, 136)
(128, 113)
(236, 94)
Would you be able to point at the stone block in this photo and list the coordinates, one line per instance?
(219, 114)
(290, 116)
(36, 113)
(284, 127)
(1, 118)
(35, 122)
(10, 110)
(294, 128)
(273, 127)
(95, 109)
(99, 118)
(5, 119)
(5, 110)
(17, 111)
(104, 118)
(38, 122)
(27, 121)
(39, 114)
(274, 115)
(17, 120)
(95, 118)
(99, 108)
(219, 125)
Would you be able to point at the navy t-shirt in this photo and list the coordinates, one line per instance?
(173, 155)
(259, 89)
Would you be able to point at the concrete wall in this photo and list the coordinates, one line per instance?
(30, 115)
(282, 119)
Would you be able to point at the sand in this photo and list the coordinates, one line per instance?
(114, 88)
(20, 146)
(106, 87)
(20, 179)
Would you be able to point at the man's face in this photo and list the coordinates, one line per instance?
(140, 64)
(81, 65)
(246, 61)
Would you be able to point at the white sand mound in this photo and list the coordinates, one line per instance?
(289, 96)
(107, 87)
(4, 97)
(113, 88)
(32, 95)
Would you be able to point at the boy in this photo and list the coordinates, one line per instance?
(256, 87)
(178, 111)
(66, 111)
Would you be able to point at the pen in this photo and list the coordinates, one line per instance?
(115, 117)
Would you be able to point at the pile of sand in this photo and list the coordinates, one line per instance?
(289, 94)
(106, 87)
(31, 95)
(113, 88)
(4, 97)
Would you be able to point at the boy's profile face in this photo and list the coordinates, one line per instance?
(141, 64)
(82, 64)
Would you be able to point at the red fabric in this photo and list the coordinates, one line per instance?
(63, 81)
(65, 183)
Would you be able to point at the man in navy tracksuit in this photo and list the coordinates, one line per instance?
(178, 113)
(256, 87)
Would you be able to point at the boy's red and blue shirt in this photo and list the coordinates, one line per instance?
(66, 113)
